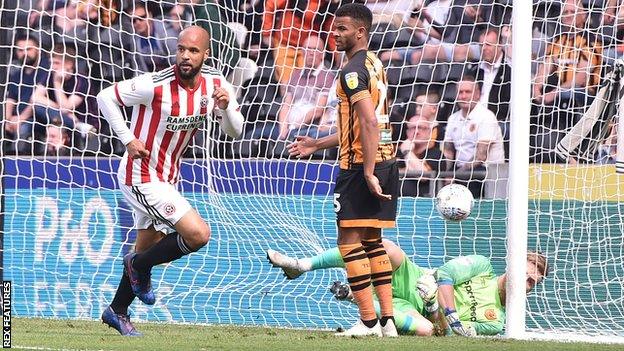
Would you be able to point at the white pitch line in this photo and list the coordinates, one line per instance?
(39, 348)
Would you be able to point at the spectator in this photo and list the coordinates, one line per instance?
(87, 10)
(419, 154)
(611, 30)
(567, 79)
(223, 46)
(177, 17)
(418, 20)
(155, 42)
(108, 34)
(57, 140)
(473, 138)
(396, 12)
(65, 91)
(328, 125)
(69, 28)
(459, 35)
(494, 73)
(287, 24)
(33, 18)
(426, 105)
(305, 101)
(29, 70)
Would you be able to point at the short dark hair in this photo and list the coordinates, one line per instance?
(61, 49)
(32, 37)
(358, 12)
(430, 97)
(139, 4)
(470, 78)
(492, 30)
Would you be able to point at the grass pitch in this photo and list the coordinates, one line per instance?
(47, 334)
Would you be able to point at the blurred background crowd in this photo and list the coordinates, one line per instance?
(448, 65)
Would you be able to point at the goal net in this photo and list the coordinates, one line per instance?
(66, 226)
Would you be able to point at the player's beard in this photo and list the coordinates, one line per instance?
(347, 45)
(190, 74)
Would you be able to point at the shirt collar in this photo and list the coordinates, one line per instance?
(491, 67)
(469, 116)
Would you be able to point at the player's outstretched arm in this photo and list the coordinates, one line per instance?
(454, 272)
(304, 146)
(446, 299)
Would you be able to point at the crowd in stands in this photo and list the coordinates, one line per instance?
(448, 64)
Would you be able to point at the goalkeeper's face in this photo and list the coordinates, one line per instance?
(534, 276)
(192, 51)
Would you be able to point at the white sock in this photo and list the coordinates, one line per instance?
(305, 264)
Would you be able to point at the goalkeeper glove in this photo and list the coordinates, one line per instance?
(452, 318)
(427, 290)
(341, 291)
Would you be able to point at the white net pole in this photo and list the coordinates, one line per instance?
(518, 165)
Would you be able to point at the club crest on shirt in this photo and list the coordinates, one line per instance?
(204, 101)
(352, 80)
(472, 127)
(490, 314)
(169, 209)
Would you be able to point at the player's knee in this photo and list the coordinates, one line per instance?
(199, 237)
(426, 329)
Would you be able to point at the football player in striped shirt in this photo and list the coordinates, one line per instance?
(168, 108)
(366, 191)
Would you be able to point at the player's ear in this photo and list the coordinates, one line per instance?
(361, 32)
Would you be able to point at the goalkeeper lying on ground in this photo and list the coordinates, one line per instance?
(468, 293)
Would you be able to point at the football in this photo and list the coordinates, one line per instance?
(454, 202)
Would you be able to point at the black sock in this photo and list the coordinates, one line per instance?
(170, 248)
(385, 320)
(124, 296)
(370, 323)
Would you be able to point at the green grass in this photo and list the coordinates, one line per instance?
(47, 334)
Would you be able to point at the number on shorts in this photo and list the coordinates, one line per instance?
(336, 203)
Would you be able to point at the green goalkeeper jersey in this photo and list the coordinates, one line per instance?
(477, 299)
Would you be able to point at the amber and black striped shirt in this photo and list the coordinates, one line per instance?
(567, 50)
(362, 77)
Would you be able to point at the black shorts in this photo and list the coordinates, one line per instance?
(354, 204)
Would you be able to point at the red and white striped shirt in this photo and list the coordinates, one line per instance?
(166, 116)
